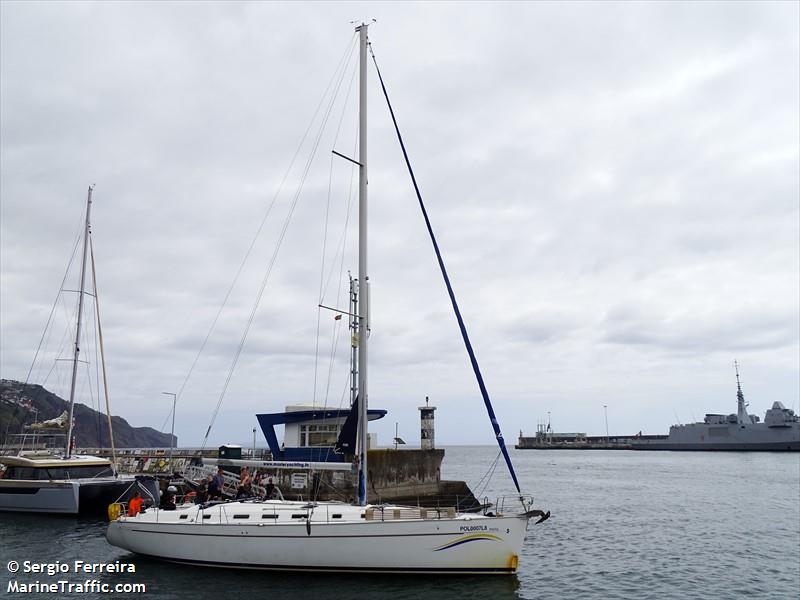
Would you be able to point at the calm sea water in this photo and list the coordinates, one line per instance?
(624, 525)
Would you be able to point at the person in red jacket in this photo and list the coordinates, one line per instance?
(135, 505)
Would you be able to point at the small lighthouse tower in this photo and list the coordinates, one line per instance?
(426, 440)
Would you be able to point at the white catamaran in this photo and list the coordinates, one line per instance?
(334, 536)
(38, 478)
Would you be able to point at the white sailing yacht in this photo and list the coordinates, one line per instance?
(333, 536)
(37, 477)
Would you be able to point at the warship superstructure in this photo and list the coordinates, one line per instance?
(780, 430)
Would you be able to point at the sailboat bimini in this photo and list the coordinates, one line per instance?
(333, 536)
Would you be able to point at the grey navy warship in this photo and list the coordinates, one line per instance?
(780, 431)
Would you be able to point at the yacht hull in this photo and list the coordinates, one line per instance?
(476, 545)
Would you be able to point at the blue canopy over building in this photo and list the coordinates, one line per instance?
(314, 434)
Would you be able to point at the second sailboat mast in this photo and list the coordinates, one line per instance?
(77, 348)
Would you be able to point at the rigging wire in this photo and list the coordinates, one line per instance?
(336, 338)
(348, 52)
(339, 292)
(334, 349)
(325, 233)
(483, 483)
(341, 246)
(332, 490)
(102, 358)
(96, 407)
(274, 256)
(338, 326)
(91, 400)
(66, 341)
(348, 213)
(337, 329)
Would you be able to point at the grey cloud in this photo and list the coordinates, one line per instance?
(703, 333)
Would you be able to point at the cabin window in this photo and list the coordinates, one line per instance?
(46, 473)
(336, 516)
(184, 517)
(269, 516)
(299, 516)
(206, 516)
(318, 435)
(241, 516)
(95, 471)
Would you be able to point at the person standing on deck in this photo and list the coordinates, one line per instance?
(245, 484)
(270, 489)
(216, 485)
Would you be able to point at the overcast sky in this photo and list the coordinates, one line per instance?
(615, 187)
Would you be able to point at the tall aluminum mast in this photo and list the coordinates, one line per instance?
(363, 278)
(68, 452)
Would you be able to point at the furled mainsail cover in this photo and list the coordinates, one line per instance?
(346, 443)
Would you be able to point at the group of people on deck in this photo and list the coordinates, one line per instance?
(213, 487)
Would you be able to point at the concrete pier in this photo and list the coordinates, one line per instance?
(583, 442)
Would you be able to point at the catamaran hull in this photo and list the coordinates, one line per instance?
(449, 546)
(82, 496)
(39, 497)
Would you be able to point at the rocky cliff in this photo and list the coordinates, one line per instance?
(19, 403)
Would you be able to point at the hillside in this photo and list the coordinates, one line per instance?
(18, 401)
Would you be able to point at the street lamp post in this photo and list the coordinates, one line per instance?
(605, 411)
(172, 431)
